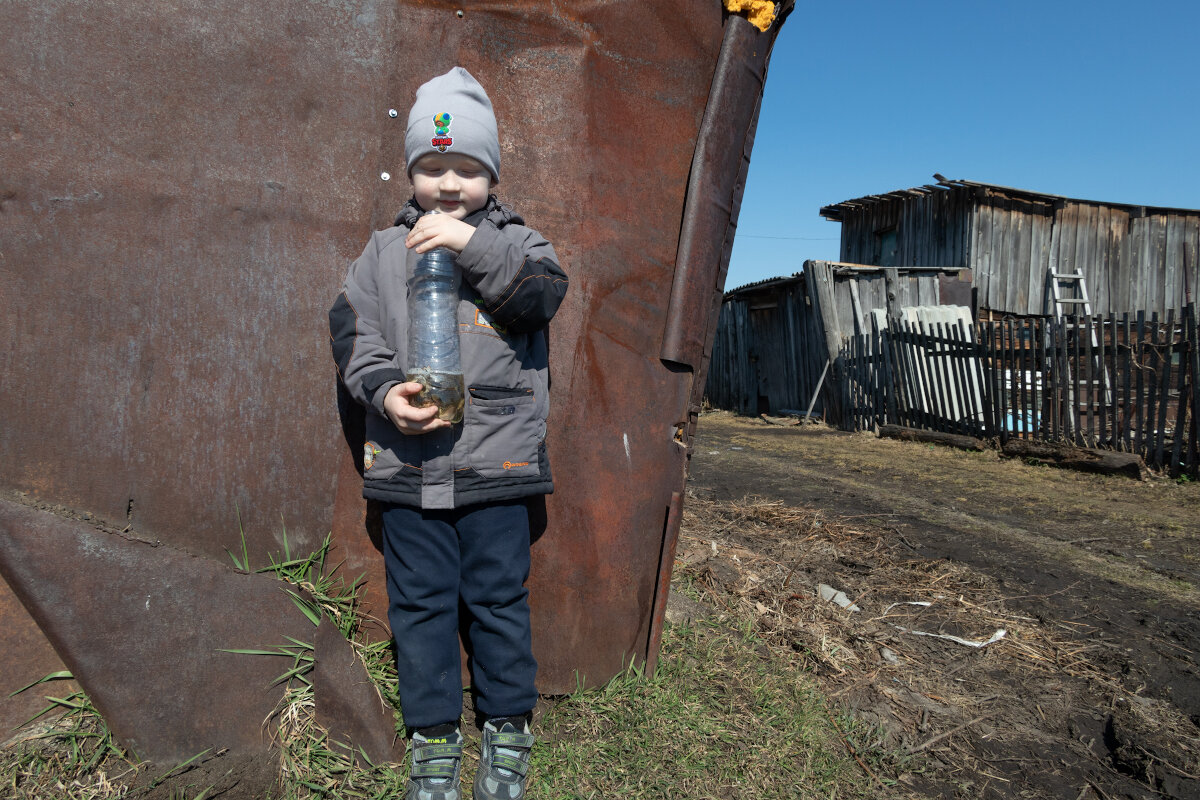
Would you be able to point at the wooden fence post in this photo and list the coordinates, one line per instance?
(1194, 447)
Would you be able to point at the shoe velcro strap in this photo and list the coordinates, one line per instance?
(426, 752)
(504, 761)
(426, 770)
(523, 741)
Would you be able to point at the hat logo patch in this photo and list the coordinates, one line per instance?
(441, 128)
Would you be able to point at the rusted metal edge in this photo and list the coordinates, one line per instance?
(714, 197)
(662, 589)
(348, 705)
(715, 185)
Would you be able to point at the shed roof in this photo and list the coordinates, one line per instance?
(838, 211)
(841, 268)
(765, 283)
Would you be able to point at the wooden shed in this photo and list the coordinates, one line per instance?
(777, 338)
(766, 345)
(1133, 258)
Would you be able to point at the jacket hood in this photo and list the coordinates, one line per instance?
(499, 214)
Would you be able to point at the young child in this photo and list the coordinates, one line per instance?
(455, 523)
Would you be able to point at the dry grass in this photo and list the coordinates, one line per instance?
(724, 716)
(762, 560)
(71, 756)
(769, 558)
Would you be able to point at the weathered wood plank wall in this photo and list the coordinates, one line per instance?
(1132, 257)
(730, 375)
(768, 352)
(932, 230)
(773, 339)
(1010, 247)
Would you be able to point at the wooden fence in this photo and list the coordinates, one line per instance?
(1125, 383)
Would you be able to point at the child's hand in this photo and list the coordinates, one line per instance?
(439, 230)
(410, 419)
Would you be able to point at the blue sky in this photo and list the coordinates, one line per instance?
(1096, 100)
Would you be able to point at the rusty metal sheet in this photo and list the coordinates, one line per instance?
(183, 186)
(27, 657)
(347, 705)
(715, 185)
(144, 628)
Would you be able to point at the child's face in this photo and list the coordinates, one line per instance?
(450, 183)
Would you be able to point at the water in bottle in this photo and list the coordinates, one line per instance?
(433, 352)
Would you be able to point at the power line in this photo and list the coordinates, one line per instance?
(794, 238)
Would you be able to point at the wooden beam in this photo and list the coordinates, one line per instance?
(1105, 462)
(821, 283)
(932, 437)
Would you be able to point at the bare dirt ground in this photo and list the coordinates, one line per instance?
(1086, 584)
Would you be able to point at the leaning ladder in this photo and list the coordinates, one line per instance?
(1067, 298)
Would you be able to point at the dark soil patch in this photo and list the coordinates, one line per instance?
(221, 776)
(1093, 689)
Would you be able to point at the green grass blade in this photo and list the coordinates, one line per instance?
(298, 643)
(287, 551)
(62, 675)
(244, 564)
(178, 768)
(308, 609)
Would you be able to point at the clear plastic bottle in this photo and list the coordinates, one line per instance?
(433, 353)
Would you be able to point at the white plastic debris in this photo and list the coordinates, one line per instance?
(831, 594)
(995, 637)
(385, 176)
(923, 603)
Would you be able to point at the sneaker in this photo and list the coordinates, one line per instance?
(503, 760)
(436, 763)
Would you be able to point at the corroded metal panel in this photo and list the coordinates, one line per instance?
(183, 186)
(347, 705)
(147, 630)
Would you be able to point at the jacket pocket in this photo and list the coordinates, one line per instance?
(504, 431)
(387, 451)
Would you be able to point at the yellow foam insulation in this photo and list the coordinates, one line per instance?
(760, 12)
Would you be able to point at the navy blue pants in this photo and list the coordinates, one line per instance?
(481, 554)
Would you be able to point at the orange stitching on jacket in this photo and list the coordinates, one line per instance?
(543, 275)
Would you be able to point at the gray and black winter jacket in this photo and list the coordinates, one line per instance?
(512, 285)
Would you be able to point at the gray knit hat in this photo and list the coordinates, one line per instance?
(452, 114)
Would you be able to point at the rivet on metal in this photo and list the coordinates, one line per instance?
(393, 113)
(385, 176)
(458, 13)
